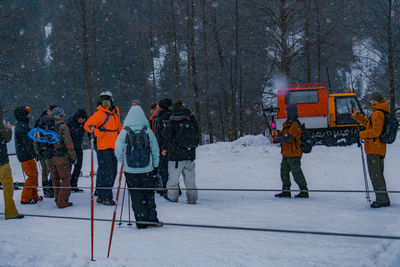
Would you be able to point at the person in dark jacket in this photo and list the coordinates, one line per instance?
(163, 116)
(154, 112)
(46, 181)
(290, 140)
(26, 155)
(11, 211)
(75, 125)
(183, 134)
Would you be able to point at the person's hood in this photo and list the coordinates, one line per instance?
(181, 114)
(136, 119)
(291, 111)
(383, 105)
(80, 113)
(20, 114)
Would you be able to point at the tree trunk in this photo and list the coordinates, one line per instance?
(176, 53)
(194, 67)
(319, 41)
(222, 70)
(85, 53)
(152, 52)
(205, 77)
(307, 45)
(390, 59)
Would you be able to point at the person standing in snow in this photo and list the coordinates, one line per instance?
(140, 170)
(163, 115)
(59, 164)
(75, 125)
(106, 126)
(153, 116)
(6, 180)
(26, 155)
(182, 133)
(46, 181)
(290, 140)
(374, 148)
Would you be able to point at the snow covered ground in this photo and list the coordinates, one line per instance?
(246, 163)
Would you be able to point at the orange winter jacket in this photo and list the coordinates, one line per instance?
(292, 148)
(106, 127)
(373, 128)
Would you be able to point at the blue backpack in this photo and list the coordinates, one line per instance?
(137, 148)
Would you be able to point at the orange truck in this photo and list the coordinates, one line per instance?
(326, 115)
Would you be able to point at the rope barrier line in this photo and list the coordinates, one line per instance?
(221, 189)
(288, 231)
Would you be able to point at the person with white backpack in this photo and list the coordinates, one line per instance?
(137, 148)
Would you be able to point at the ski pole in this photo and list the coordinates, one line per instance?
(129, 211)
(365, 172)
(115, 210)
(122, 206)
(91, 191)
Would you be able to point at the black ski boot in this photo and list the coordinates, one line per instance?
(302, 194)
(284, 194)
(377, 204)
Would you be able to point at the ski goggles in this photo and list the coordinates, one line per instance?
(28, 109)
(105, 101)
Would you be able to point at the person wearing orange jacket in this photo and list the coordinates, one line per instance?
(106, 125)
(374, 148)
(290, 140)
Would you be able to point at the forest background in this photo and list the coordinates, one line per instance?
(224, 58)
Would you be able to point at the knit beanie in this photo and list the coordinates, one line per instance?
(291, 111)
(57, 113)
(377, 96)
(165, 103)
(81, 113)
(177, 104)
(137, 102)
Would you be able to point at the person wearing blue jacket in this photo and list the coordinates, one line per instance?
(143, 202)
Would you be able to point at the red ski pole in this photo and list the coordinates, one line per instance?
(115, 210)
(91, 191)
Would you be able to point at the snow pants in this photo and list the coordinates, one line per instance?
(46, 181)
(61, 177)
(143, 203)
(375, 169)
(30, 186)
(77, 168)
(108, 165)
(98, 176)
(45, 173)
(8, 191)
(187, 169)
(292, 164)
(163, 169)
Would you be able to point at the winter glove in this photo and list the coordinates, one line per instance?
(272, 140)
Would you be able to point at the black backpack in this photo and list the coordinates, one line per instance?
(187, 135)
(137, 148)
(306, 138)
(390, 127)
(46, 150)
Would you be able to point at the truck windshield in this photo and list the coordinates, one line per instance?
(343, 107)
(302, 97)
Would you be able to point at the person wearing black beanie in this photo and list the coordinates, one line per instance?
(163, 117)
(75, 124)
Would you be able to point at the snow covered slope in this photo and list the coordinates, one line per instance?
(249, 162)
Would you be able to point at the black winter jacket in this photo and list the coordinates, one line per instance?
(77, 131)
(44, 113)
(23, 144)
(163, 117)
(176, 152)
